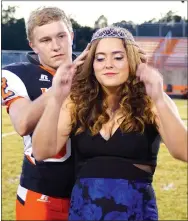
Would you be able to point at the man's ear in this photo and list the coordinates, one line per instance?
(33, 47)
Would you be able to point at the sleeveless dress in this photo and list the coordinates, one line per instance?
(108, 185)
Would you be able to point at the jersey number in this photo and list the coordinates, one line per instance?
(4, 85)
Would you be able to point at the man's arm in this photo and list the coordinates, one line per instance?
(171, 128)
(25, 114)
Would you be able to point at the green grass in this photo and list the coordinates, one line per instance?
(12, 155)
(182, 107)
(172, 201)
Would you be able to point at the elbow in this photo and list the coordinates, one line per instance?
(182, 154)
(41, 151)
(38, 155)
(178, 147)
(22, 132)
(37, 152)
(23, 128)
(181, 158)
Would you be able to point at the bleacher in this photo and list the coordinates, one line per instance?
(175, 57)
(179, 56)
(149, 45)
(170, 56)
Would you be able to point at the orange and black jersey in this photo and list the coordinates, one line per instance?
(55, 176)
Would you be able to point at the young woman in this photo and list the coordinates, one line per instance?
(115, 111)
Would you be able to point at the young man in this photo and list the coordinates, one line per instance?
(45, 187)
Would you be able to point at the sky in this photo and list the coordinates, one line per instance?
(87, 12)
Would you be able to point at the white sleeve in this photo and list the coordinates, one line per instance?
(12, 87)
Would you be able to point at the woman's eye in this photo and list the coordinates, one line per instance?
(118, 58)
(99, 59)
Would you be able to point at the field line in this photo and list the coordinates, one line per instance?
(9, 134)
(13, 132)
(183, 106)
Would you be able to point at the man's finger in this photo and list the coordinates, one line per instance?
(73, 70)
(144, 58)
(140, 69)
(81, 56)
(87, 47)
(140, 50)
(78, 63)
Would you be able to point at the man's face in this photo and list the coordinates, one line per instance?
(53, 44)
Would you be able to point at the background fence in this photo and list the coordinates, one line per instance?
(178, 29)
(168, 54)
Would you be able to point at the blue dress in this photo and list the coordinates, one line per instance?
(109, 186)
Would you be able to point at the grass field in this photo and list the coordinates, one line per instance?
(170, 180)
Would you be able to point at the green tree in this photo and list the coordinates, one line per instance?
(8, 14)
(75, 24)
(101, 22)
(13, 31)
(170, 17)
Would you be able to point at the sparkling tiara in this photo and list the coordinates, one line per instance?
(113, 32)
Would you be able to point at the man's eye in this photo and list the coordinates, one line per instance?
(46, 40)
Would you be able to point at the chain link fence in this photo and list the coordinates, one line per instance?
(179, 29)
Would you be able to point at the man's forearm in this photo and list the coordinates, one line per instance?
(44, 138)
(174, 132)
(26, 114)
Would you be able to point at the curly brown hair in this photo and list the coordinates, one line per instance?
(88, 97)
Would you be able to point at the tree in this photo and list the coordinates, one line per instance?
(82, 37)
(75, 24)
(128, 25)
(8, 14)
(14, 35)
(13, 31)
(101, 22)
(177, 18)
(170, 17)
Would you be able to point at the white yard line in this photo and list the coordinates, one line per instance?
(13, 132)
(9, 134)
(184, 106)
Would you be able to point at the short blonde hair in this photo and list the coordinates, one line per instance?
(46, 15)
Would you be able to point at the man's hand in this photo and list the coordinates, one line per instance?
(62, 81)
(80, 59)
(143, 55)
(152, 80)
